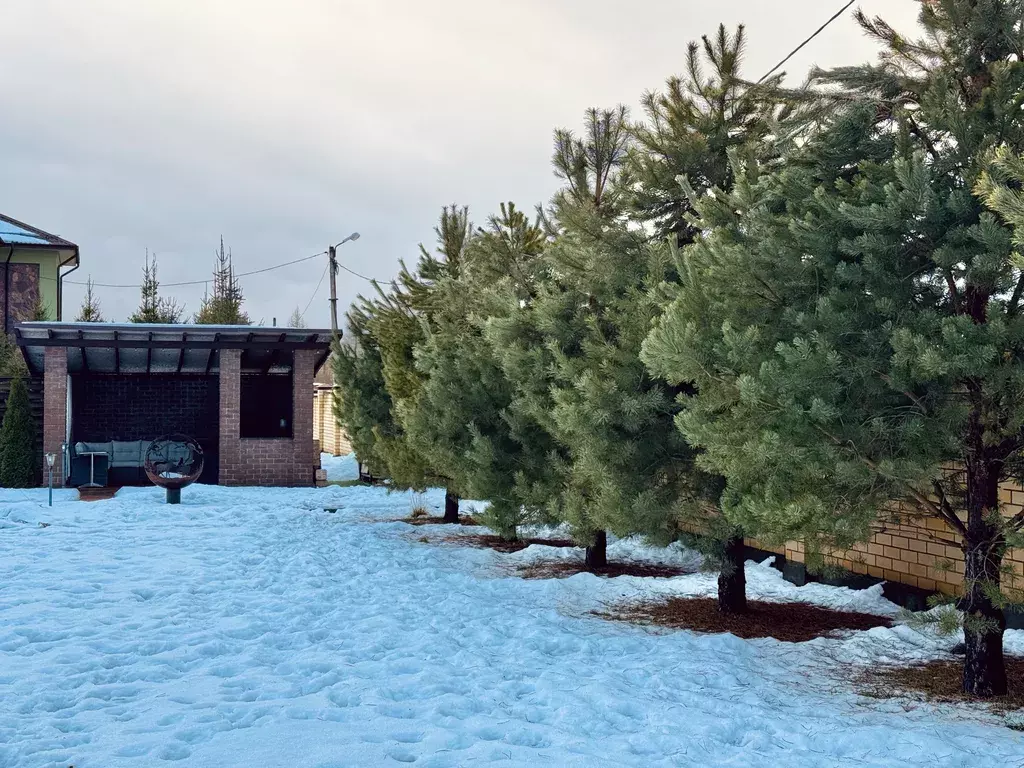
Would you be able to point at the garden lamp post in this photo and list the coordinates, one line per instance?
(333, 266)
(50, 459)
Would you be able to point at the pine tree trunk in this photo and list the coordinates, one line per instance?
(451, 507)
(597, 553)
(732, 580)
(984, 621)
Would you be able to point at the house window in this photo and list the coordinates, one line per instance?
(265, 408)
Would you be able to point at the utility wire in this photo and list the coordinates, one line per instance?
(367, 279)
(802, 45)
(195, 282)
(316, 290)
(768, 74)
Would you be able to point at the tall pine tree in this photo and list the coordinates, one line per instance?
(859, 339)
(90, 311)
(462, 419)
(400, 320)
(362, 405)
(153, 308)
(693, 125)
(224, 305)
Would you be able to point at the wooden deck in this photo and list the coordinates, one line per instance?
(97, 494)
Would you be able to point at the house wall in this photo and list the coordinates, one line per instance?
(267, 461)
(921, 552)
(332, 437)
(47, 262)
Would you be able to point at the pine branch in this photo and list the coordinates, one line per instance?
(917, 131)
(948, 513)
(922, 500)
(1016, 523)
(1018, 292)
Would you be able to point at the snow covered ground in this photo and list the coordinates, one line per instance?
(340, 467)
(249, 627)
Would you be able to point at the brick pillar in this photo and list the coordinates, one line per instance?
(230, 462)
(302, 416)
(55, 410)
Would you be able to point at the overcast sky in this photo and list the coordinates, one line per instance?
(286, 125)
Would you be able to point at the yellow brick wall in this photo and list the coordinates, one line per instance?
(920, 552)
(325, 429)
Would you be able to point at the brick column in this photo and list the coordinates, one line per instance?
(302, 416)
(230, 461)
(55, 409)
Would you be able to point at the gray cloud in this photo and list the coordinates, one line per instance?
(285, 126)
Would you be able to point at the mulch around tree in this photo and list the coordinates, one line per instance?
(940, 681)
(432, 520)
(484, 541)
(788, 622)
(563, 570)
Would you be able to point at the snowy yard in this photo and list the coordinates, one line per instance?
(249, 627)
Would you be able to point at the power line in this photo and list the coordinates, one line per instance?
(195, 282)
(367, 279)
(802, 45)
(316, 290)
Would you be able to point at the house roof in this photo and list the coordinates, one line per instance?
(14, 232)
(142, 348)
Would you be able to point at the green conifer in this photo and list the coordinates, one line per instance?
(90, 311)
(153, 308)
(19, 464)
(852, 319)
(224, 305)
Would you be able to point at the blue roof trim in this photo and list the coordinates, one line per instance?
(14, 232)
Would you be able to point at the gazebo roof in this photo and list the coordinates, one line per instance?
(141, 348)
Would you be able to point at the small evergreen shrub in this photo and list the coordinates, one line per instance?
(18, 461)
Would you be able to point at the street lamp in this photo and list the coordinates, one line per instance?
(50, 459)
(333, 256)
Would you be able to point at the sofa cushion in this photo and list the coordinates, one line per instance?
(126, 453)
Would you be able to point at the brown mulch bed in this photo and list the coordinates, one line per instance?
(940, 681)
(429, 520)
(789, 622)
(484, 541)
(563, 570)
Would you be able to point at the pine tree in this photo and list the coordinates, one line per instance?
(853, 318)
(224, 306)
(362, 405)
(154, 308)
(398, 320)
(462, 420)
(296, 320)
(12, 362)
(19, 464)
(89, 312)
(692, 127)
(40, 313)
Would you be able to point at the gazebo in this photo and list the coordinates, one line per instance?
(244, 393)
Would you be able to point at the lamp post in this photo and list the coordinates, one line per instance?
(50, 459)
(333, 256)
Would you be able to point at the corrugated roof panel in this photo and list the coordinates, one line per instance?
(8, 227)
(13, 231)
(13, 237)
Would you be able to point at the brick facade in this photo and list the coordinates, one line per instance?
(267, 461)
(921, 552)
(55, 409)
(144, 407)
